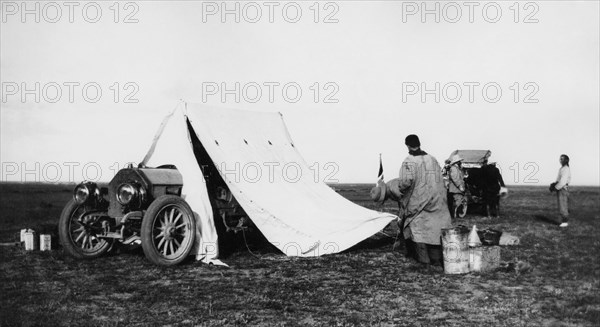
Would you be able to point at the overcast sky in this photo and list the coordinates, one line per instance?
(520, 79)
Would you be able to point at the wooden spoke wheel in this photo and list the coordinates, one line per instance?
(168, 230)
(77, 230)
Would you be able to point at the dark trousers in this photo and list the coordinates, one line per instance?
(492, 202)
(424, 253)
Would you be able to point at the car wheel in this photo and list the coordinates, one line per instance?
(461, 211)
(168, 230)
(77, 231)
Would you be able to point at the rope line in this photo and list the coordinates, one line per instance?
(247, 247)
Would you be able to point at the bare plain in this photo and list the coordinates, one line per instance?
(551, 279)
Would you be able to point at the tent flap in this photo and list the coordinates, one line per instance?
(256, 157)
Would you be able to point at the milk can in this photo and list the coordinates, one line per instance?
(456, 250)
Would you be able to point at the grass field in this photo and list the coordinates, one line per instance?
(370, 284)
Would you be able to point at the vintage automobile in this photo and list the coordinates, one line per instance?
(475, 183)
(142, 206)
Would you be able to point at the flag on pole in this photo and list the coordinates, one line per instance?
(378, 193)
(380, 174)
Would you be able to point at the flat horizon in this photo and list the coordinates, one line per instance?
(328, 184)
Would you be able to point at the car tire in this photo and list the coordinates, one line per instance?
(76, 238)
(462, 210)
(168, 230)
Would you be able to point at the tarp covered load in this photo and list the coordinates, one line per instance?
(472, 158)
(258, 160)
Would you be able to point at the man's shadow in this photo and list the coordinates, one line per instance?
(545, 219)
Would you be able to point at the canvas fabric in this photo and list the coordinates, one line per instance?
(256, 157)
(172, 145)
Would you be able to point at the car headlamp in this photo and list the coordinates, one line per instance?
(126, 193)
(131, 194)
(85, 191)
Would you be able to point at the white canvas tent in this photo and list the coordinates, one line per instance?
(258, 160)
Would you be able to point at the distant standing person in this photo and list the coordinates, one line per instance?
(456, 187)
(561, 186)
(446, 173)
(492, 181)
(423, 206)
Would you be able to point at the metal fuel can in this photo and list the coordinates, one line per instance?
(30, 240)
(45, 242)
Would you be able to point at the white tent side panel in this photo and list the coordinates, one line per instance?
(258, 160)
(172, 145)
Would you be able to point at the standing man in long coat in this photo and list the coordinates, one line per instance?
(423, 204)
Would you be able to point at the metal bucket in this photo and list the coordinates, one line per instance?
(490, 236)
(455, 244)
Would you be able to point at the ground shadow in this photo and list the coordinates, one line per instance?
(251, 240)
(545, 219)
(372, 243)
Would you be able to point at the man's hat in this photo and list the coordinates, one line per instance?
(455, 158)
(503, 192)
(412, 141)
(378, 192)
